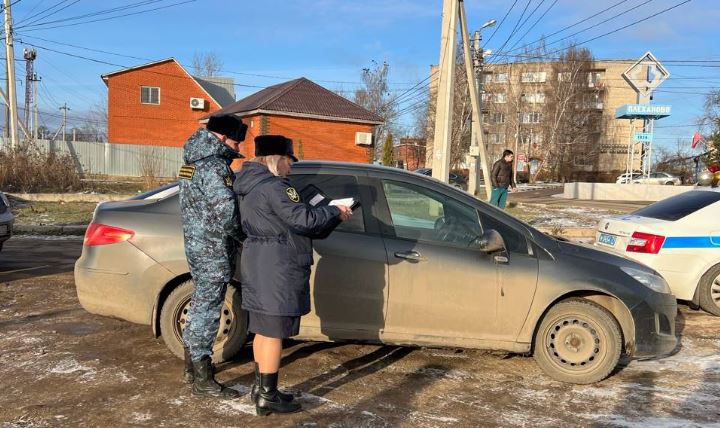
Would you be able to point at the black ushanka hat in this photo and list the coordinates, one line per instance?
(268, 145)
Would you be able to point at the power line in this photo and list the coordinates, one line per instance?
(502, 21)
(111, 17)
(98, 13)
(50, 14)
(534, 24)
(512, 33)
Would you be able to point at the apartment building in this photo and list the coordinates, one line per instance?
(518, 114)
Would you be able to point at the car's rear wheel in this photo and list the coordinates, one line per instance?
(670, 183)
(709, 291)
(232, 333)
(578, 342)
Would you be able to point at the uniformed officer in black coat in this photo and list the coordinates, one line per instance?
(276, 259)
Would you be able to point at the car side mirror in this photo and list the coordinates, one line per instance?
(491, 241)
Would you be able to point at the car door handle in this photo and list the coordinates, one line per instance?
(501, 259)
(410, 255)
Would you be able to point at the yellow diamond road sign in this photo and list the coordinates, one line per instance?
(646, 74)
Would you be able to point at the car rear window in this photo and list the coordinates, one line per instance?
(677, 207)
(156, 193)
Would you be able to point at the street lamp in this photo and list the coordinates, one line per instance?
(490, 23)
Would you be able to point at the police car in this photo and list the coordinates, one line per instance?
(680, 238)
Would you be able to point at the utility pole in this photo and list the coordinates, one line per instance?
(65, 109)
(36, 109)
(474, 100)
(446, 80)
(29, 55)
(475, 143)
(10, 55)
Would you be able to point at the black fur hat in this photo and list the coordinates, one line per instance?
(228, 125)
(267, 145)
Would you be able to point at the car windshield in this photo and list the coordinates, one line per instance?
(679, 206)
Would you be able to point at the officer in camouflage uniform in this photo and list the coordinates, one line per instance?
(212, 233)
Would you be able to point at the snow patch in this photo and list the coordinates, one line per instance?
(141, 417)
(71, 365)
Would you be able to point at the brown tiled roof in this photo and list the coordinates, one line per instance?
(302, 97)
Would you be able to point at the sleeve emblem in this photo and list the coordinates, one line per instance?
(229, 181)
(293, 194)
(187, 172)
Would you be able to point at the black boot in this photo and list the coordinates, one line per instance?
(269, 400)
(205, 384)
(255, 390)
(188, 374)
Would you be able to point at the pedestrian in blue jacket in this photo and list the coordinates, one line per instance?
(211, 231)
(275, 261)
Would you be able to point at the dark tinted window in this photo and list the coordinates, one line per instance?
(679, 206)
(335, 187)
(515, 242)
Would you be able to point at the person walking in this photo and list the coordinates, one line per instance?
(211, 231)
(276, 259)
(501, 178)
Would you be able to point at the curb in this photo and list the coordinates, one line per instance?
(32, 229)
(571, 232)
(68, 197)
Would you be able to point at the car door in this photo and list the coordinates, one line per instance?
(349, 277)
(443, 288)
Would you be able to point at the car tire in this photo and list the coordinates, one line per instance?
(670, 183)
(578, 342)
(232, 334)
(709, 291)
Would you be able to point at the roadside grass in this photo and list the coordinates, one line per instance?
(53, 213)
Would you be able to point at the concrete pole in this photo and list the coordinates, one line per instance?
(36, 123)
(446, 83)
(474, 101)
(474, 175)
(12, 95)
(7, 103)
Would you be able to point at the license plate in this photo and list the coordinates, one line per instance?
(607, 239)
(3, 229)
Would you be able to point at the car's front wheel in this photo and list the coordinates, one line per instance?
(232, 333)
(670, 183)
(709, 291)
(578, 342)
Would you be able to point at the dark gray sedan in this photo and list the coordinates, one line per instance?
(420, 263)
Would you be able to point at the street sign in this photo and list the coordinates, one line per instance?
(643, 137)
(646, 74)
(642, 111)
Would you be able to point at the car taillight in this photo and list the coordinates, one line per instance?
(101, 234)
(645, 243)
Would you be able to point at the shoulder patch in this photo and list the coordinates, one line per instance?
(229, 180)
(293, 194)
(187, 172)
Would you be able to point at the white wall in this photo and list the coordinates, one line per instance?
(621, 192)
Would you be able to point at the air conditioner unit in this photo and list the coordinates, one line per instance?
(363, 138)
(197, 103)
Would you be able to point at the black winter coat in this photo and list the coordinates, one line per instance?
(502, 174)
(277, 253)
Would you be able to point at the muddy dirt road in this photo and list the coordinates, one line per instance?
(61, 366)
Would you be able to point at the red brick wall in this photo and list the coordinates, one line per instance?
(321, 139)
(168, 124)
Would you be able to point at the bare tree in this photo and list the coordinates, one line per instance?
(572, 116)
(206, 64)
(676, 160)
(374, 95)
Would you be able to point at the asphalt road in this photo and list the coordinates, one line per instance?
(61, 366)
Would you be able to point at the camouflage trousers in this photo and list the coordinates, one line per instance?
(204, 318)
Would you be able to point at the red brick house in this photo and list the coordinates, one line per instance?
(160, 103)
(410, 153)
(322, 124)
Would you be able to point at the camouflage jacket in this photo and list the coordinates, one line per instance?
(207, 201)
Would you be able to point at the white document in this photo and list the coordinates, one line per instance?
(345, 201)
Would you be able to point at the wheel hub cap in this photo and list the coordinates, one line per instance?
(226, 322)
(715, 291)
(573, 343)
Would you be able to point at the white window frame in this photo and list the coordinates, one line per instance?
(150, 88)
(533, 77)
(530, 118)
(502, 79)
(500, 98)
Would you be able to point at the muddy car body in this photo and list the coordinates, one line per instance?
(420, 263)
(6, 219)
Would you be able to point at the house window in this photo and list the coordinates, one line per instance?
(534, 138)
(534, 98)
(487, 78)
(498, 117)
(533, 77)
(500, 98)
(595, 79)
(501, 77)
(149, 95)
(486, 97)
(496, 138)
(564, 76)
(530, 117)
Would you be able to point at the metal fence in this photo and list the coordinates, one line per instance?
(118, 159)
